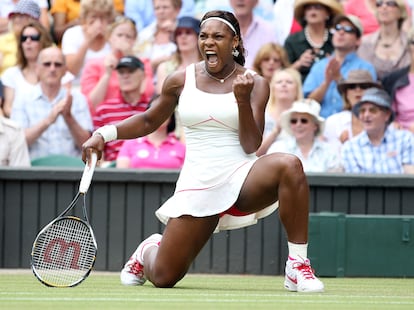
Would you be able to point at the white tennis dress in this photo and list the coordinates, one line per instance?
(215, 165)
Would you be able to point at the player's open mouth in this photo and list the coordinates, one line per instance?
(212, 58)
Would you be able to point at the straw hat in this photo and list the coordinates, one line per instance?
(333, 5)
(308, 106)
(358, 76)
(376, 96)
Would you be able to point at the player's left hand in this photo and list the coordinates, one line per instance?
(242, 88)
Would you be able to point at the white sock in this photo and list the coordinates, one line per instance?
(298, 249)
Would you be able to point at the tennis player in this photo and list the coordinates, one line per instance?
(222, 185)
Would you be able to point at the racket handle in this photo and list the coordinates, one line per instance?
(87, 174)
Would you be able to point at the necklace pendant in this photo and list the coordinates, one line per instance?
(222, 81)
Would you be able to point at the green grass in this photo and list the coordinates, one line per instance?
(21, 290)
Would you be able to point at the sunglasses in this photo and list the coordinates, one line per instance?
(33, 37)
(294, 121)
(345, 28)
(360, 86)
(389, 3)
(48, 64)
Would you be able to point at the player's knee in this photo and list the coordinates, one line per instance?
(292, 164)
(165, 279)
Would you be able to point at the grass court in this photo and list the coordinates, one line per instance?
(102, 290)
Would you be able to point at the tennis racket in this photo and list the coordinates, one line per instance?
(64, 251)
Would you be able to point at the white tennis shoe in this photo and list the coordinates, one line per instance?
(133, 271)
(300, 277)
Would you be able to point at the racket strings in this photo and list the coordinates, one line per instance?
(64, 252)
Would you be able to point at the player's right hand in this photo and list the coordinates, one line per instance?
(94, 144)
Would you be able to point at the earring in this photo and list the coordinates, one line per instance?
(235, 52)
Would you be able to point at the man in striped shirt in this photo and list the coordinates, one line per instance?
(131, 100)
(380, 148)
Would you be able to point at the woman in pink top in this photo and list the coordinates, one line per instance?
(159, 150)
(99, 81)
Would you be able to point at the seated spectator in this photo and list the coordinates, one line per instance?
(342, 126)
(304, 125)
(66, 13)
(99, 80)
(366, 12)
(270, 58)
(13, 147)
(19, 79)
(8, 6)
(285, 88)
(130, 101)
(56, 120)
(88, 40)
(255, 31)
(321, 82)
(400, 86)
(155, 41)
(186, 38)
(387, 48)
(142, 11)
(380, 148)
(159, 150)
(25, 11)
(314, 41)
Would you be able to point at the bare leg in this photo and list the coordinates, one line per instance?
(183, 239)
(279, 177)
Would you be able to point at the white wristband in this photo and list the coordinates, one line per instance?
(108, 132)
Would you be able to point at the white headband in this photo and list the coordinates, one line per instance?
(221, 20)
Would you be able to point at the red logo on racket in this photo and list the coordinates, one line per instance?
(64, 247)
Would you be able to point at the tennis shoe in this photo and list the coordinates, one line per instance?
(300, 277)
(133, 271)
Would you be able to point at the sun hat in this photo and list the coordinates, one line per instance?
(26, 7)
(130, 62)
(358, 76)
(299, 8)
(308, 106)
(355, 21)
(188, 22)
(376, 96)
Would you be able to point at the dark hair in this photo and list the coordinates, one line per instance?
(45, 41)
(228, 16)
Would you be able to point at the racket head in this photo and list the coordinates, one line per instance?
(64, 252)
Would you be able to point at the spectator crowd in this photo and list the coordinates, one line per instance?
(340, 74)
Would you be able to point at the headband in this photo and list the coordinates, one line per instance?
(221, 20)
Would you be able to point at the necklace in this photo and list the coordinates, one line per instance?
(388, 45)
(217, 79)
(310, 41)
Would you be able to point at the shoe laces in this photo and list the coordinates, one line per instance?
(136, 268)
(304, 268)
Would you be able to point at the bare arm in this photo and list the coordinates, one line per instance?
(8, 100)
(98, 92)
(268, 141)
(4, 25)
(144, 123)
(252, 93)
